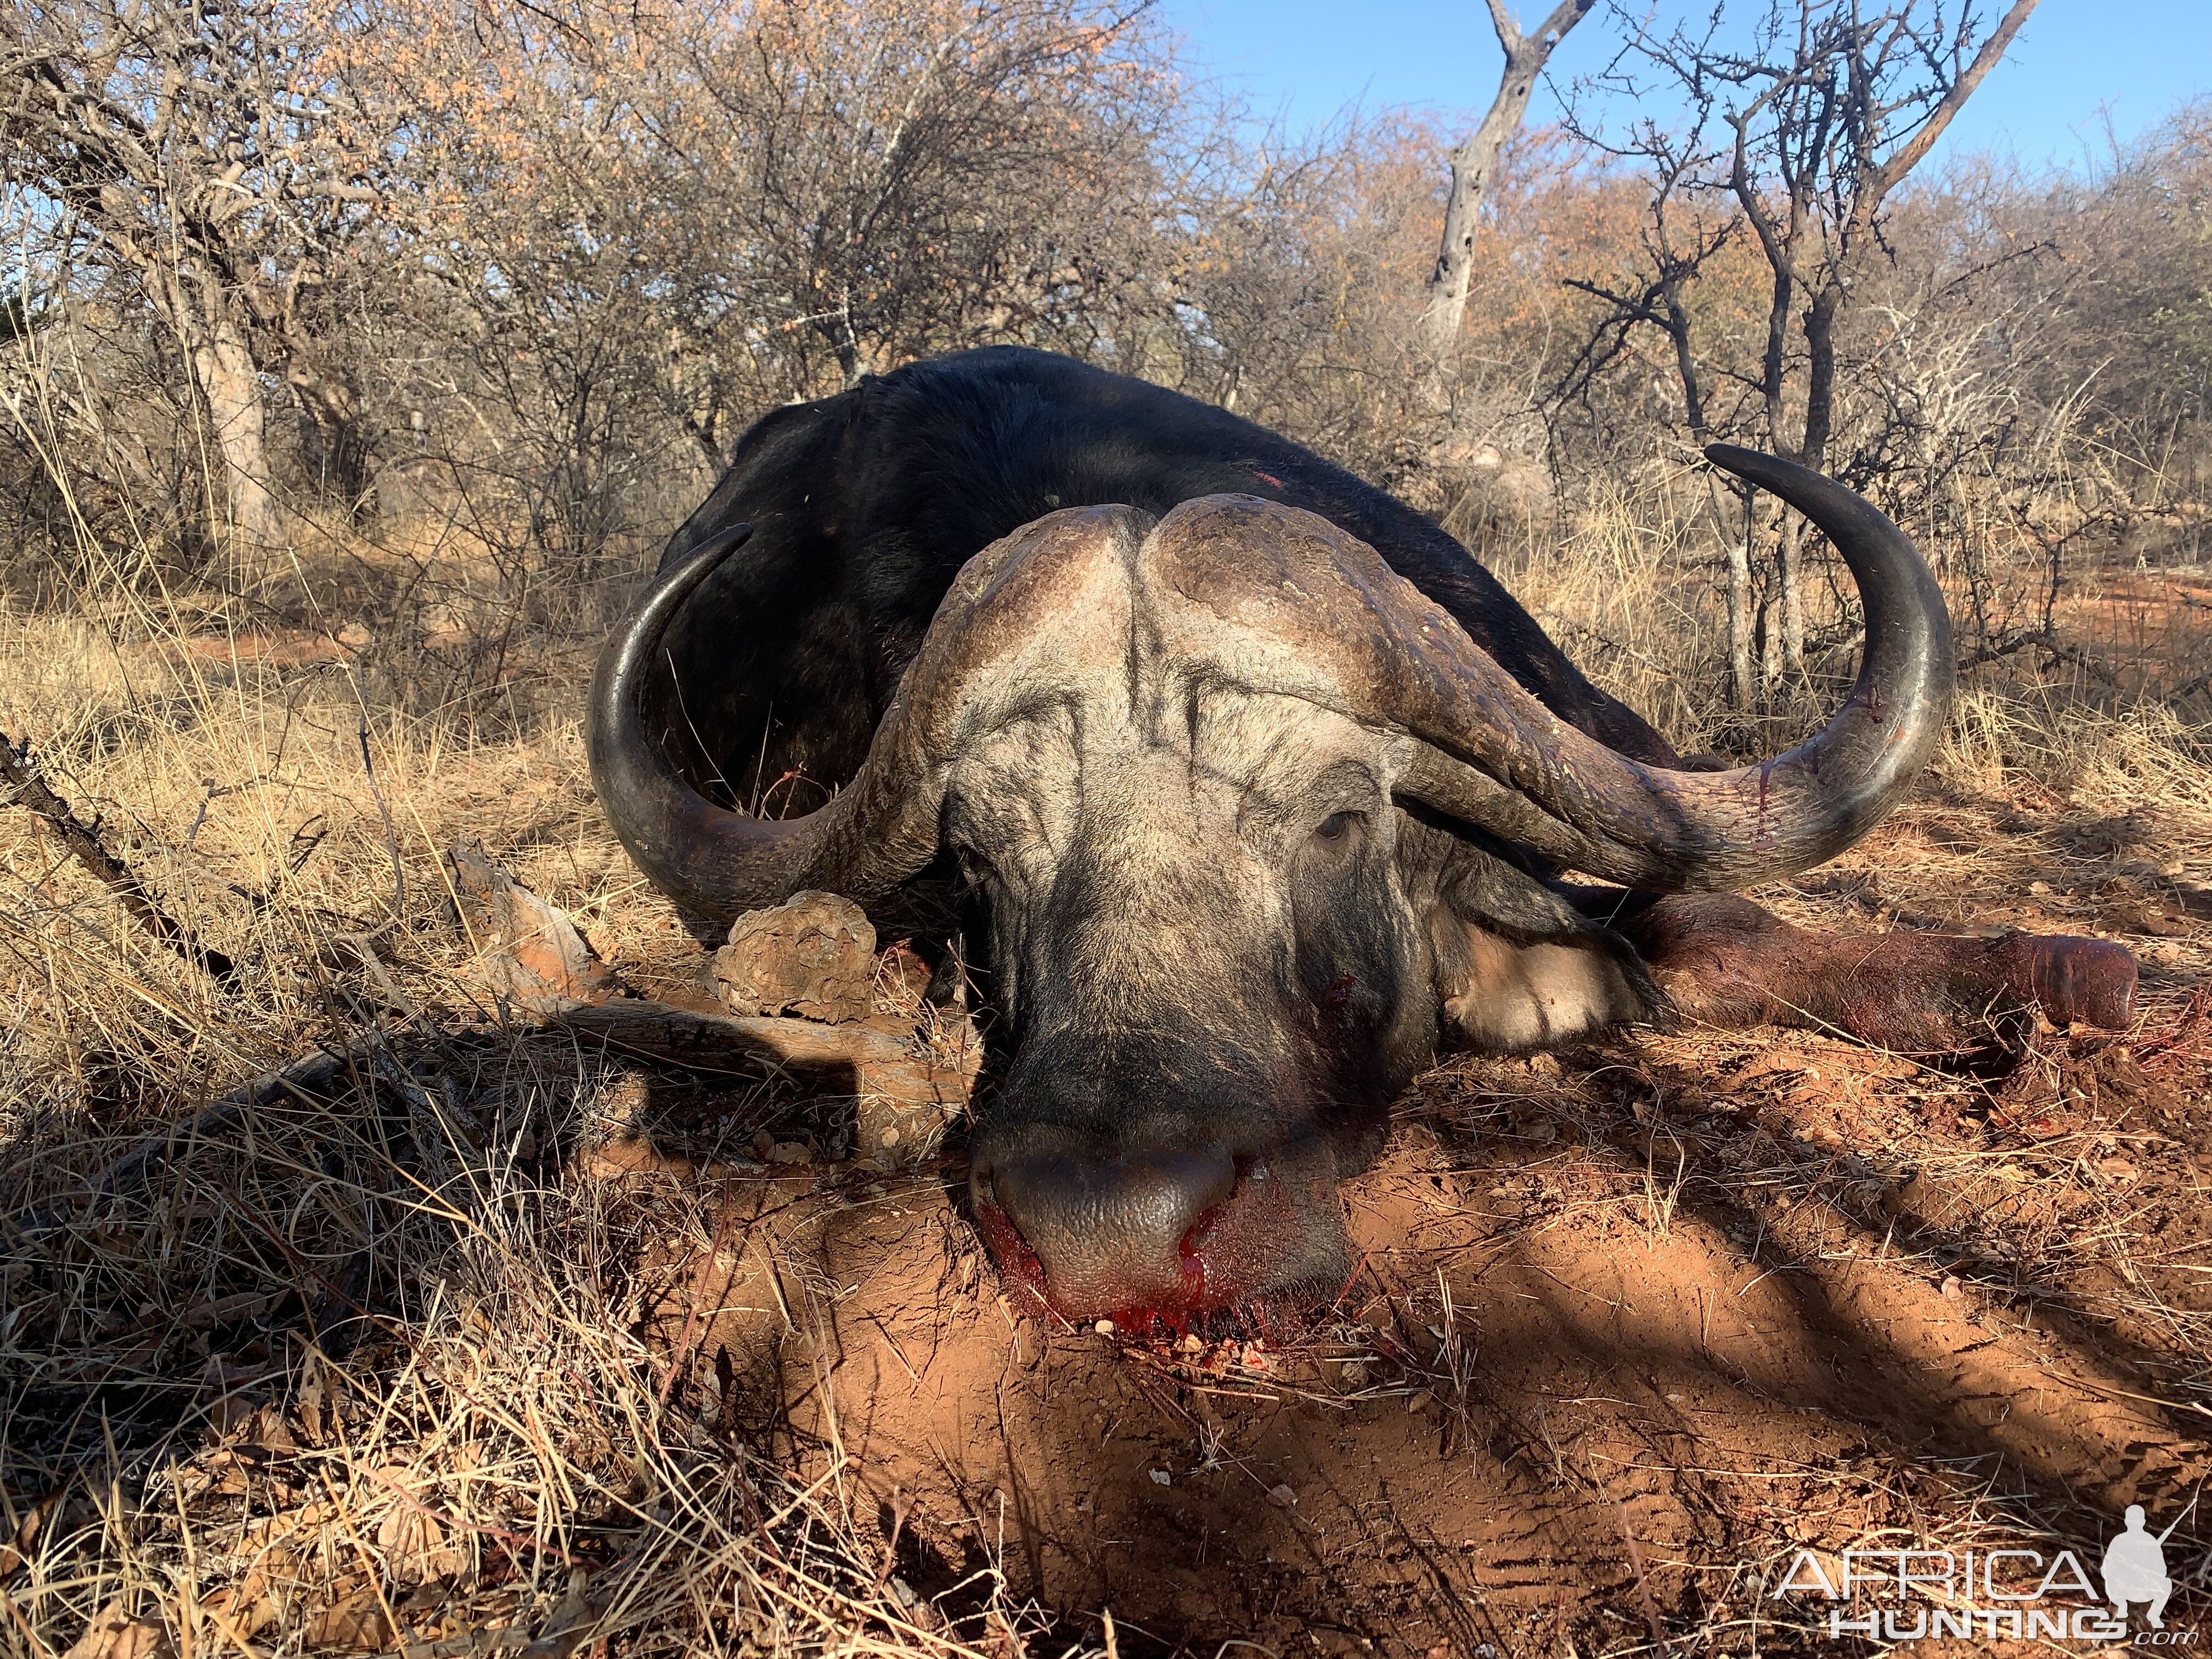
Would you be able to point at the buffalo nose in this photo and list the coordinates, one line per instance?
(1110, 1233)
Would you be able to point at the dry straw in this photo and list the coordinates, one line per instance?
(367, 1363)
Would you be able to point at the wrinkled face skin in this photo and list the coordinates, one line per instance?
(1224, 949)
(1199, 925)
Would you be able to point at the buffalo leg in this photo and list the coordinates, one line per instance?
(1722, 961)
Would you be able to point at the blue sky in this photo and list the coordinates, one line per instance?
(2076, 62)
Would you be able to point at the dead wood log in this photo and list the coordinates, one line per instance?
(155, 1153)
(907, 1083)
(905, 1090)
(86, 846)
(818, 952)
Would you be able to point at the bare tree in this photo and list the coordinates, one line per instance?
(1840, 125)
(1677, 240)
(1475, 159)
(1827, 110)
(188, 147)
(921, 175)
(754, 204)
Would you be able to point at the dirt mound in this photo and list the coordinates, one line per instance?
(1627, 1332)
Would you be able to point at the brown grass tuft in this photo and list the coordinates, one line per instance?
(393, 1361)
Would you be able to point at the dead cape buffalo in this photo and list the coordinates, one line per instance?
(1267, 786)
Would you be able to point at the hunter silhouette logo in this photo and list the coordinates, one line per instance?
(1906, 1595)
(2135, 1566)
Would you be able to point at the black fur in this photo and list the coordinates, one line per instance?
(866, 505)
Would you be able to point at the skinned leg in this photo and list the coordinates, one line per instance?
(1725, 961)
(1504, 996)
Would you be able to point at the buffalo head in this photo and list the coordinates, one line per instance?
(1257, 825)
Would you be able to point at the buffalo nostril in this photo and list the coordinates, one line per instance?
(1154, 1194)
(1109, 1230)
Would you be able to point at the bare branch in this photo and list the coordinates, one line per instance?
(87, 846)
(1475, 158)
(1909, 156)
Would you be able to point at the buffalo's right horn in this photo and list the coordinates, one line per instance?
(1013, 603)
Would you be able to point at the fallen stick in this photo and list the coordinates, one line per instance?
(154, 1152)
(84, 843)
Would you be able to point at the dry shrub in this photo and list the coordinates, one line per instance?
(379, 1365)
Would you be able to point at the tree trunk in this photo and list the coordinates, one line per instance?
(226, 373)
(1788, 557)
(1768, 635)
(1819, 325)
(1773, 363)
(1739, 610)
(1685, 363)
(847, 340)
(1821, 372)
(1473, 161)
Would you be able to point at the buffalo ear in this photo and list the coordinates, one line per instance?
(1518, 967)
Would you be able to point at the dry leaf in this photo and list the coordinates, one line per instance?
(114, 1634)
(357, 1623)
(242, 1609)
(407, 1535)
(17, 1550)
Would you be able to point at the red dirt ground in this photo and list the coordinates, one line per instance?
(1631, 1326)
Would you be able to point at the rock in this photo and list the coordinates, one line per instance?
(530, 951)
(814, 956)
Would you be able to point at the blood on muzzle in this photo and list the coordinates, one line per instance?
(1160, 1235)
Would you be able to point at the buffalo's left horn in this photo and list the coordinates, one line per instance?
(1350, 631)
(704, 856)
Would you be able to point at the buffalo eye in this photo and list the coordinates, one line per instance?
(1336, 826)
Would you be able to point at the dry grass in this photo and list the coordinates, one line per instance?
(367, 1370)
(390, 1366)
